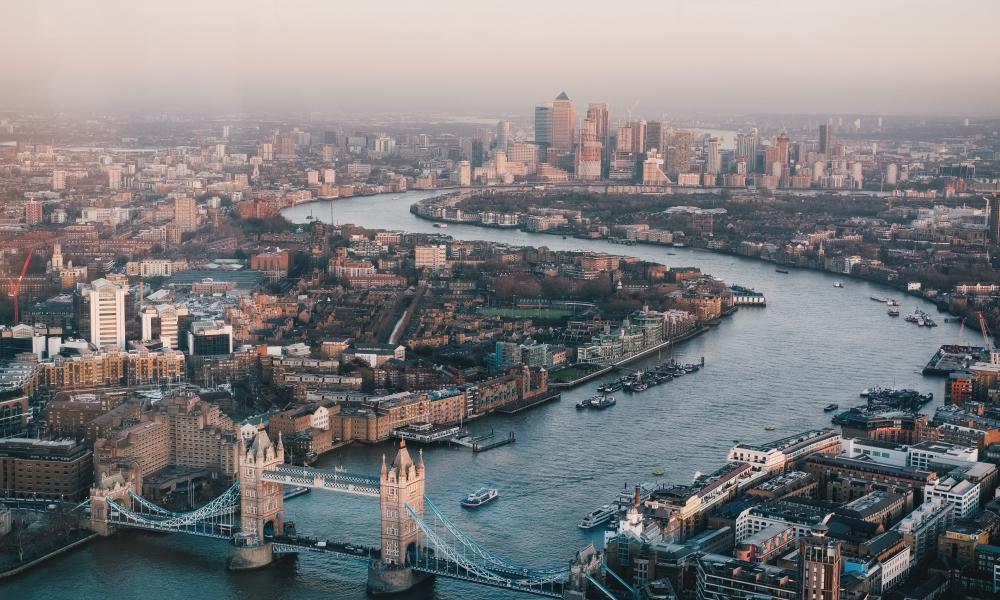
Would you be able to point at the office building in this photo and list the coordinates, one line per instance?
(563, 122)
(713, 156)
(210, 338)
(543, 127)
(825, 139)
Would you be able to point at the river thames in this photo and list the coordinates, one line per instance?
(776, 366)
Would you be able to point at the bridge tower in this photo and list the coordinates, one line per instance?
(400, 484)
(114, 487)
(262, 507)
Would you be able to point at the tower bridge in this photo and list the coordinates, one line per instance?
(416, 541)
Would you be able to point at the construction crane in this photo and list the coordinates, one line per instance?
(17, 287)
(985, 330)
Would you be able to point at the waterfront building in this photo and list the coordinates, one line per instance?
(774, 457)
(59, 469)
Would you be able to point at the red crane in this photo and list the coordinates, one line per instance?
(17, 287)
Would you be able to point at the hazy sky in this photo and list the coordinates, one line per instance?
(479, 56)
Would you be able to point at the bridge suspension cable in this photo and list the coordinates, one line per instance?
(453, 553)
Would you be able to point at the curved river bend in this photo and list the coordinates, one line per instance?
(813, 344)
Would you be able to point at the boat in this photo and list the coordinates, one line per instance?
(658, 472)
(831, 407)
(837, 284)
(891, 302)
(441, 225)
(769, 428)
(781, 271)
(603, 402)
(893, 311)
(642, 387)
(877, 299)
(480, 497)
(597, 517)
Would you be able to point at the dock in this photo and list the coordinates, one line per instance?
(482, 443)
(525, 404)
(953, 357)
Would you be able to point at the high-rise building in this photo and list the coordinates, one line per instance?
(186, 213)
(993, 219)
(543, 126)
(656, 137)
(825, 138)
(678, 153)
(563, 121)
(105, 302)
(589, 155)
(638, 137)
(746, 147)
(503, 135)
(820, 563)
(652, 169)
(463, 173)
(713, 156)
(265, 151)
(114, 178)
(32, 212)
(601, 116)
(58, 179)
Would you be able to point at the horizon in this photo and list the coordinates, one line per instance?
(445, 57)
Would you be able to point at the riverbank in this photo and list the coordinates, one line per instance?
(48, 556)
(637, 356)
(900, 286)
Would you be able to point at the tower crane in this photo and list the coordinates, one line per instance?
(17, 287)
(985, 331)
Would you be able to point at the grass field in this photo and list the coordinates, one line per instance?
(526, 313)
(572, 373)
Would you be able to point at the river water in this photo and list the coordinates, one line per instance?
(812, 345)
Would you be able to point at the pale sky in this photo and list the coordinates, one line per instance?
(479, 56)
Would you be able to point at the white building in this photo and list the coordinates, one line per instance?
(107, 313)
(772, 457)
(961, 495)
(920, 528)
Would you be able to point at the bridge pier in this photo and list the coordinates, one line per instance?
(249, 557)
(387, 578)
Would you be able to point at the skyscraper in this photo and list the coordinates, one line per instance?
(656, 137)
(543, 127)
(820, 563)
(746, 146)
(563, 120)
(825, 138)
(503, 135)
(713, 156)
(589, 154)
(678, 152)
(638, 137)
(599, 114)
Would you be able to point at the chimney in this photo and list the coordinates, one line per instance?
(638, 495)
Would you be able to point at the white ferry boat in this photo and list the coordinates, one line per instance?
(598, 517)
(480, 497)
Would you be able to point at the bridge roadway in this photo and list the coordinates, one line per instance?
(335, 481)
(294, 544)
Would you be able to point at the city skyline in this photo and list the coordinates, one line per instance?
(717, 57)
